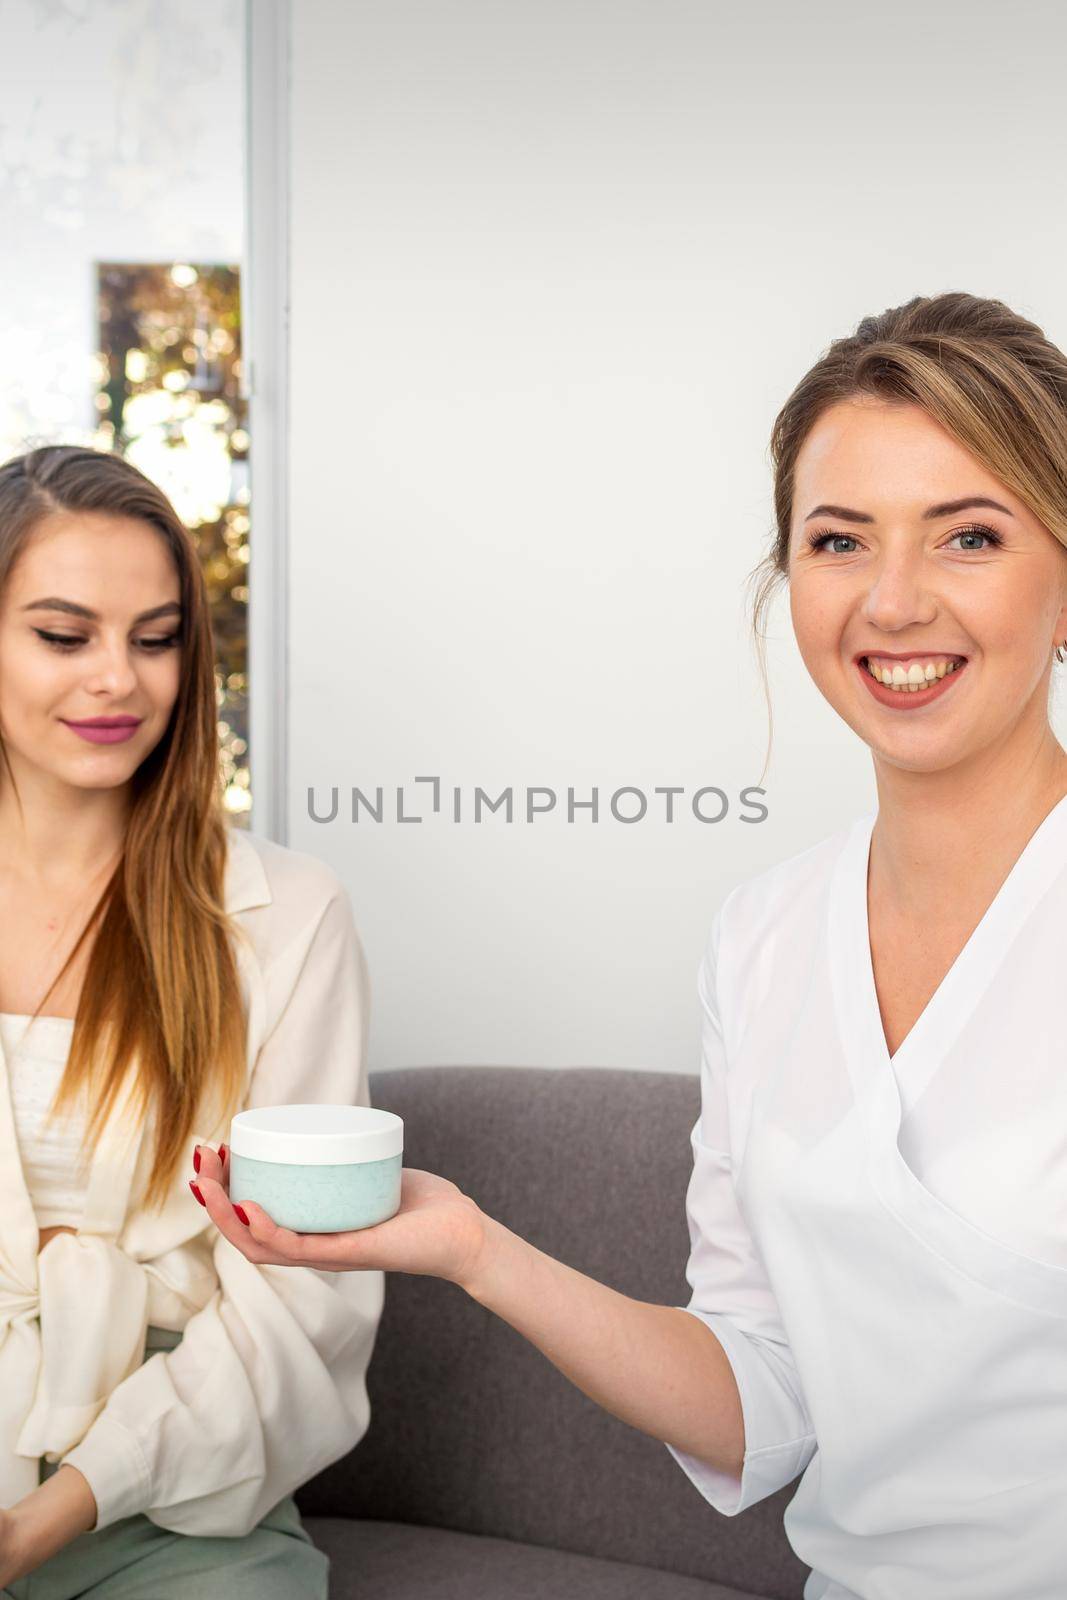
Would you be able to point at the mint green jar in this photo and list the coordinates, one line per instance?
(318, 1168)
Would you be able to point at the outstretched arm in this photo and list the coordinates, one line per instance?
(656, 1367)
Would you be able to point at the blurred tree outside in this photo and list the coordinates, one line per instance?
(169, 400)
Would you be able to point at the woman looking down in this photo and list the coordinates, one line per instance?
(158, 970)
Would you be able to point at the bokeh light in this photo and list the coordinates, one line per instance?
(168, 379)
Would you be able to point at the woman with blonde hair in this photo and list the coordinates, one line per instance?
(159, 969)
(878, 1203)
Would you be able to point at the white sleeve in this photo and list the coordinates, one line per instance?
(731, 1294)
(268, 1384)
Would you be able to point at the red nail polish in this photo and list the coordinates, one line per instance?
(239, 1214)
(196, 1160)
(222, 1152)
(197, 1193)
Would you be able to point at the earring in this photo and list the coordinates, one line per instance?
(1058, 651)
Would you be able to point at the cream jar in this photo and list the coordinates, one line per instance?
(318, 1168)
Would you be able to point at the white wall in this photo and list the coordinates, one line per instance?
(555, 266)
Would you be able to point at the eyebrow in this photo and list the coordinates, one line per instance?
(75, 610)
(947, 508)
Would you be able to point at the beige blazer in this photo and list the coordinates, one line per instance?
(268, 1383)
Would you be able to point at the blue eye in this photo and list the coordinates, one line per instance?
(978, 531)
(817, 540)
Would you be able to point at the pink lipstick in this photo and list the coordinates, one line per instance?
(105, 730)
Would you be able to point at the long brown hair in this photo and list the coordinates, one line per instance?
(176, 1012)
(991, 378)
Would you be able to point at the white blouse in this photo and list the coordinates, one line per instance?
(880, 1243)
(268, 1383)
(50, 1148)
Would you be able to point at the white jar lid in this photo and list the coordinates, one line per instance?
(317, 1135)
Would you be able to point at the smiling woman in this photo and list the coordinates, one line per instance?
(72, 543)
(159, 969)
(916, 602)
(91, 528)
(103, 619)
(878, 1202)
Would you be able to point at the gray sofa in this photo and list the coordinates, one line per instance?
(485, 1474)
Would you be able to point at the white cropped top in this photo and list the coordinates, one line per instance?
(51, 1152)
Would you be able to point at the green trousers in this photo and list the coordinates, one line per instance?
(134, 1560)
